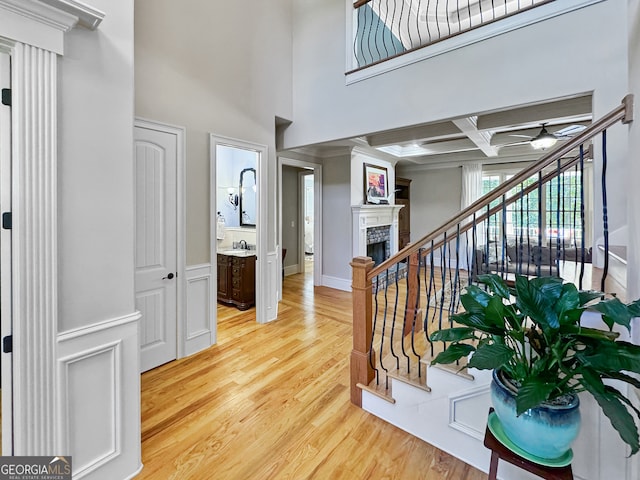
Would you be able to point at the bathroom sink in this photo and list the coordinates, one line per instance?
(237, 252)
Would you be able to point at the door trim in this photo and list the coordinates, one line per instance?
(317, 213)
(264, 310)
(180, 133)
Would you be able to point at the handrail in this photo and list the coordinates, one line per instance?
(624, 113)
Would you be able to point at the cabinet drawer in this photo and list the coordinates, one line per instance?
(235, 271)
(236, 294)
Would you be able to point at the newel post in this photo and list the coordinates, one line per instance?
(361, 369)
(413, 293)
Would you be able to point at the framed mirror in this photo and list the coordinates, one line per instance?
(248, 188)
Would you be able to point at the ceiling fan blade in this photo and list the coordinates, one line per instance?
(570, 131)
(523, 136)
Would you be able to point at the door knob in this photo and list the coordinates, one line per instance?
(170, 276)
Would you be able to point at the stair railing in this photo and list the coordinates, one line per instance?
(395, 302)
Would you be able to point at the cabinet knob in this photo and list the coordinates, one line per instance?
(170, 276)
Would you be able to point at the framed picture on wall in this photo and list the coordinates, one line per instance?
(376, 188)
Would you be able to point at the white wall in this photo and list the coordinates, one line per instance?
(336, 218)
(229, 74)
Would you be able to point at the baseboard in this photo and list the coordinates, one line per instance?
(337, 283)
(291, 270)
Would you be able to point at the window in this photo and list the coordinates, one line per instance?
(556, 220)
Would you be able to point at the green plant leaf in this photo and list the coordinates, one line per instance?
(611, 357)
(613, 311)
(587, 295)
(537, 297)
(475, 300)
(491, 356)
(496, 284)
(532, 393)
(571, 317)
(634, 308)
(453, 334)
(586, 333)
(613, 408)
(478, 321)
(569, 299)
(453, 352)
(495, 312)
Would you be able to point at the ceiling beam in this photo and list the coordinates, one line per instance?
(469, 127)
(414, 134)
(572, 107)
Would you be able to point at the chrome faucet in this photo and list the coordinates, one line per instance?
(242, 244)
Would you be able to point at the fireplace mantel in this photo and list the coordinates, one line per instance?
(367, 216)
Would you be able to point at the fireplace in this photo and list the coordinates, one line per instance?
(372, 224)
(377, 251)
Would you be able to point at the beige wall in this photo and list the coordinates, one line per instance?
(435, 197)
(214, 66)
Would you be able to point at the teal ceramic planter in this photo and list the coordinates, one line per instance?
(546, 431)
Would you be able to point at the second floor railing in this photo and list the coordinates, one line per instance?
(387, 28)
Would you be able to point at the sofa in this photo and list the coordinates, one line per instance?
(525, 259)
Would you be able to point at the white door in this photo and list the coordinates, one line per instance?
(156, 251)
(6, 358)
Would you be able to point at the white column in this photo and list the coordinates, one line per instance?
(34, 250)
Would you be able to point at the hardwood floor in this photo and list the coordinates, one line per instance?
(272, 402)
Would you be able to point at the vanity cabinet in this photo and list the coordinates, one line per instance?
(237, 280)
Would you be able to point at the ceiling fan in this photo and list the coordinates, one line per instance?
(544, 139)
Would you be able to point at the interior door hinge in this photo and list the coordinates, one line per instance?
(7, 220)
(7, 344)
(6, 96)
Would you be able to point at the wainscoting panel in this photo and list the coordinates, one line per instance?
(272, 294)
(99, 398)
(200, 325)
(464, 408)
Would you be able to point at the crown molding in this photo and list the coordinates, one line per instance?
(43, 23)
(86, 15)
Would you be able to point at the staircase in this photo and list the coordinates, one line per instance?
(533, 225)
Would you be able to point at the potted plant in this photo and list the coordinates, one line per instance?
(531, 336)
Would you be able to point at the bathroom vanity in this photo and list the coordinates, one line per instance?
(237, 278)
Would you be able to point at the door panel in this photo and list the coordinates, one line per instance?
(155, 248)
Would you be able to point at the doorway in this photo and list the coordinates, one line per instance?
(238, 226)
(300, 217)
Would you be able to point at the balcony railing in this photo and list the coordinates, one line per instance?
(385, 29)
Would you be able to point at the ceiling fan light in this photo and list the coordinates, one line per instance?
(544, 140)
